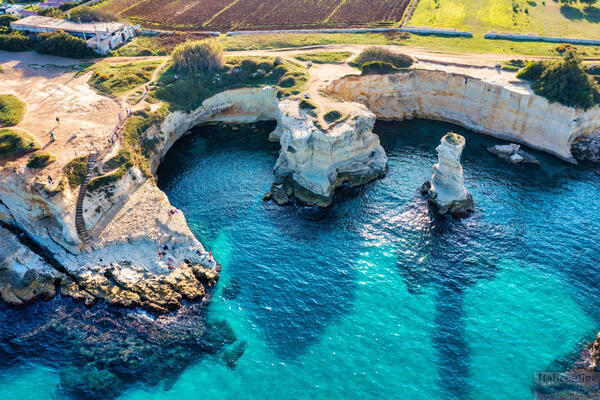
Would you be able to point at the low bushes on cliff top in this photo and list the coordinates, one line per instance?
(190, 89)
(15, 42)
(40, 159)
(324, 57)
(117, 78)
(377, 67)
(198, 55)
(16, 142)
(11, 110)
(62, 44)
(564, 81)
(76, 170)
(382, 54)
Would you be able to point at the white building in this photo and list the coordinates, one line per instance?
(12, 9)
(100, 36)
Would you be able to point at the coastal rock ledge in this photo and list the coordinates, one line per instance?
(446, 190)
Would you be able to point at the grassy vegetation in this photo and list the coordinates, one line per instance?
(383, 55)
(378, 68)
(332, 116)
(116, 169)
(198, 55)
(307, 105)
(546, 17)
(324, 57)
(513, 65)
(76, 170)
(565, 81)
(136, 147)
(16, 142)
(11, 110)
(477, 44)
(118, 78)
(40, 159)
(156, 45)
(192, 88)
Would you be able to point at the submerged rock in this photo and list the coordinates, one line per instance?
(446, 190)
(513, 154)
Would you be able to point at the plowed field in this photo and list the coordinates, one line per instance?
(258, 14)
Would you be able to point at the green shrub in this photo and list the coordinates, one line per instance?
(51, 12)
(76, 170)
(15, 42)
(564, 81)
(6, 19)
(14, 143)
(89, 14)
(40, 159)
(102, 181)
(11, 110)
(532, 71)
(62, 44)
(377, 67)
(332, 116)
(307, 105)
(287, 81)
(205, 55)
(382, 54)
(67, 6)
(192, 88)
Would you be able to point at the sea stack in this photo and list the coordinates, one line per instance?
(446, 190)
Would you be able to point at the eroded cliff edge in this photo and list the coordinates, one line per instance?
(508, 112)
(130, 220)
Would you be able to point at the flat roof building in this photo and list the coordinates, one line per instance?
(100, 36)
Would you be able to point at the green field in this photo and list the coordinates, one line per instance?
(546, 17)
(452, 44)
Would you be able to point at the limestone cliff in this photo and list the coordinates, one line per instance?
(446, 189)
(143, 253)
(507, 112)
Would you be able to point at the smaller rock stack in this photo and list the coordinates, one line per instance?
(446, 190)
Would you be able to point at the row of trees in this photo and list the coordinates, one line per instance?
(58, 43)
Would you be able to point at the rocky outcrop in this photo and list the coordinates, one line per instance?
(314, 162)
(24, 275)
(446, 190)
(513, 154)
(143, 254)
(508, 112)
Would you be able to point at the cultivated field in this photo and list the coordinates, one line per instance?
(544, 17)
(258, 14)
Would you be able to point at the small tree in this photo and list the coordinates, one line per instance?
(198, 55)
(567, 82)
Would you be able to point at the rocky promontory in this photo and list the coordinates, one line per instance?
(446, 190)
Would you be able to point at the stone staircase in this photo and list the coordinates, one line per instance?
(79, 222)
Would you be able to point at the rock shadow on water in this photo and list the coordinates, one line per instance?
(450, 256)
(101, 351)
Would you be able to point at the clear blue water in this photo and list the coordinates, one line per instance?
(374, 297)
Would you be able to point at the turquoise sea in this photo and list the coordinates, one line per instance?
(374, 297)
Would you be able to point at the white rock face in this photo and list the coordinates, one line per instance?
(446, 189)
(130, 225)
(313, 162)
(506, 113)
